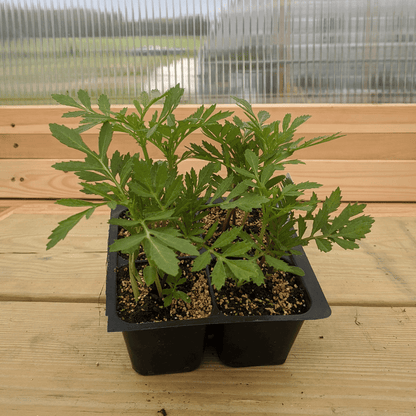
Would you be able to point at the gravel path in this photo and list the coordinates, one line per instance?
(182, 71)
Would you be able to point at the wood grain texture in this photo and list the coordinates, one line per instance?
(380, 273)
(372, 143)
(372, 131)
(29, 234)
(44, 206)
(338, 114)
(56, 358)
(371, 181)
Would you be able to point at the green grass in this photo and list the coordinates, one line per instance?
(58, 45)
(32, 70)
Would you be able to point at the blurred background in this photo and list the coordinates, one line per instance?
(274, 51)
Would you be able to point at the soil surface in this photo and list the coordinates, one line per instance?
(149, 307)
(281, 294)
(252, 224)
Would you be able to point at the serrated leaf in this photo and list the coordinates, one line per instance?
(112, 204)
(283, 266)
(201, 261)
(163, 256)
(243, 104)
(243, 270)
(357, 228)
(223, 187)
(286, 121)
(301, 226)
(238, 190)
(72, 166)
(66, 100)
(244, 172)
(90, 176)
(159, 216)
(178, 244)
(139, 191)
(218, 275)
(124, 222)
(320, 221)
(69, 137)
(170, 120)
(334, 201)
(61, 231)
(168, 299)
(104, 139)
(173, 191)
(150, 275)
(294, 189)
(101, 189)
(72, 114)
(126, 171)
(263, 116)
(274, 181)
(211, 231)
(85, 127)
(238, 249)
(125, 244)
(345, 244)
(84, 98)
(348, 212)
(252, 160)
(104, 104)
(238, 122)
(69, 202)
(144, 98)
(151, 131)
(323, 245)
(178, 294)
(267, 173)
(116, 162)
(227, 237)
(247, 203)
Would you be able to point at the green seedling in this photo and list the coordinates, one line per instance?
(165, 208)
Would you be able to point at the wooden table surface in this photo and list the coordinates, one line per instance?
(56, 357)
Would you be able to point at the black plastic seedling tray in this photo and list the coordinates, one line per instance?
(178, 346)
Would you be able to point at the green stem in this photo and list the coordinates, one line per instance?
(227, 219)
(134, 276)
(245, 218)
(157, 280)
(144, 149)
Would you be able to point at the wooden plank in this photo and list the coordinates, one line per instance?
(29, 234)
(336, 114)
(373, 131)
(371, 144)
(77, 276)
(58, 359)
(45, 206)
(75, 268)
(5, 212)
(371, 181)
(391, 210)
(380, 272)
(308, 127)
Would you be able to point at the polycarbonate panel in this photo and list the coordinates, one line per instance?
(324, 51)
